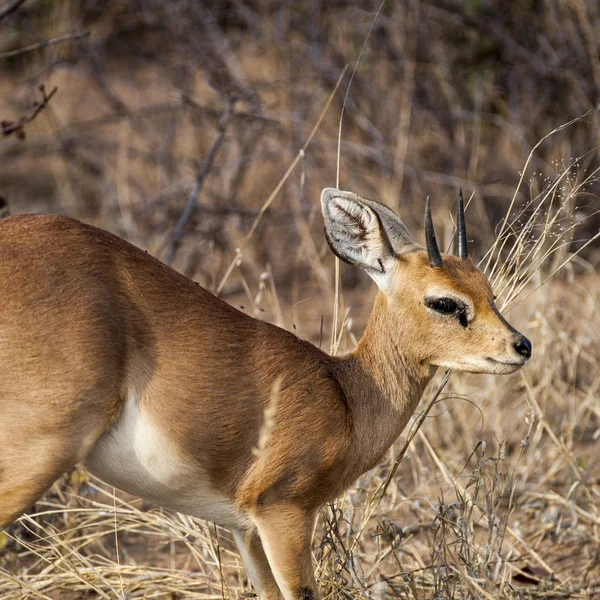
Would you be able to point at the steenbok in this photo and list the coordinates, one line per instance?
(110, 358)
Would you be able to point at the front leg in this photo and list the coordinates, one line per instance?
(257, 566)
(286, 534)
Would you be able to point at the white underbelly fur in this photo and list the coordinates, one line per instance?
(134, 456)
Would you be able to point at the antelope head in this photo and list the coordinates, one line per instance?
(439, 309)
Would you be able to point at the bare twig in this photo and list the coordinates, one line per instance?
(203, 171)
(57, 40)
(17, 127)
(10, 8)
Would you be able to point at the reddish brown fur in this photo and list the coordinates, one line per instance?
(89, 318)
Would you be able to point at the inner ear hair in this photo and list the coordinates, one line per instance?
(364, 232)
(397, 233)
(355, 232)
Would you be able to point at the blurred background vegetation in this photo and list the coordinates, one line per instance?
(447, 94)
(173, 124)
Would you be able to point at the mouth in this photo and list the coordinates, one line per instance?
(504, 365)
(489, 365)
(517, 362)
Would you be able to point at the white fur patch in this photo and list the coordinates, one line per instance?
(136, 457)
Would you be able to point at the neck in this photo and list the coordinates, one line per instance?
(383, 384)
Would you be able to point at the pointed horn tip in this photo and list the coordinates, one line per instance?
(461, 249)
(433, 252)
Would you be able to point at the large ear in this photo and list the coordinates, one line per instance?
(365, 233)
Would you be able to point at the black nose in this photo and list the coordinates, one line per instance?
(523, 347)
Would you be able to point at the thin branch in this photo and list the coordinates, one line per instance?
(52, 42)
(190, 205)
(9, 8)
(17, 127)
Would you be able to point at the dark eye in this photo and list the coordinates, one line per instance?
(446, 306)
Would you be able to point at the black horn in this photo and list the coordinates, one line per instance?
(460, 245)
(435, 258)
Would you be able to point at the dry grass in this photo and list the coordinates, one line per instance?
(182, 131)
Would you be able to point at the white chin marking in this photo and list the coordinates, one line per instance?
(484, 366)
